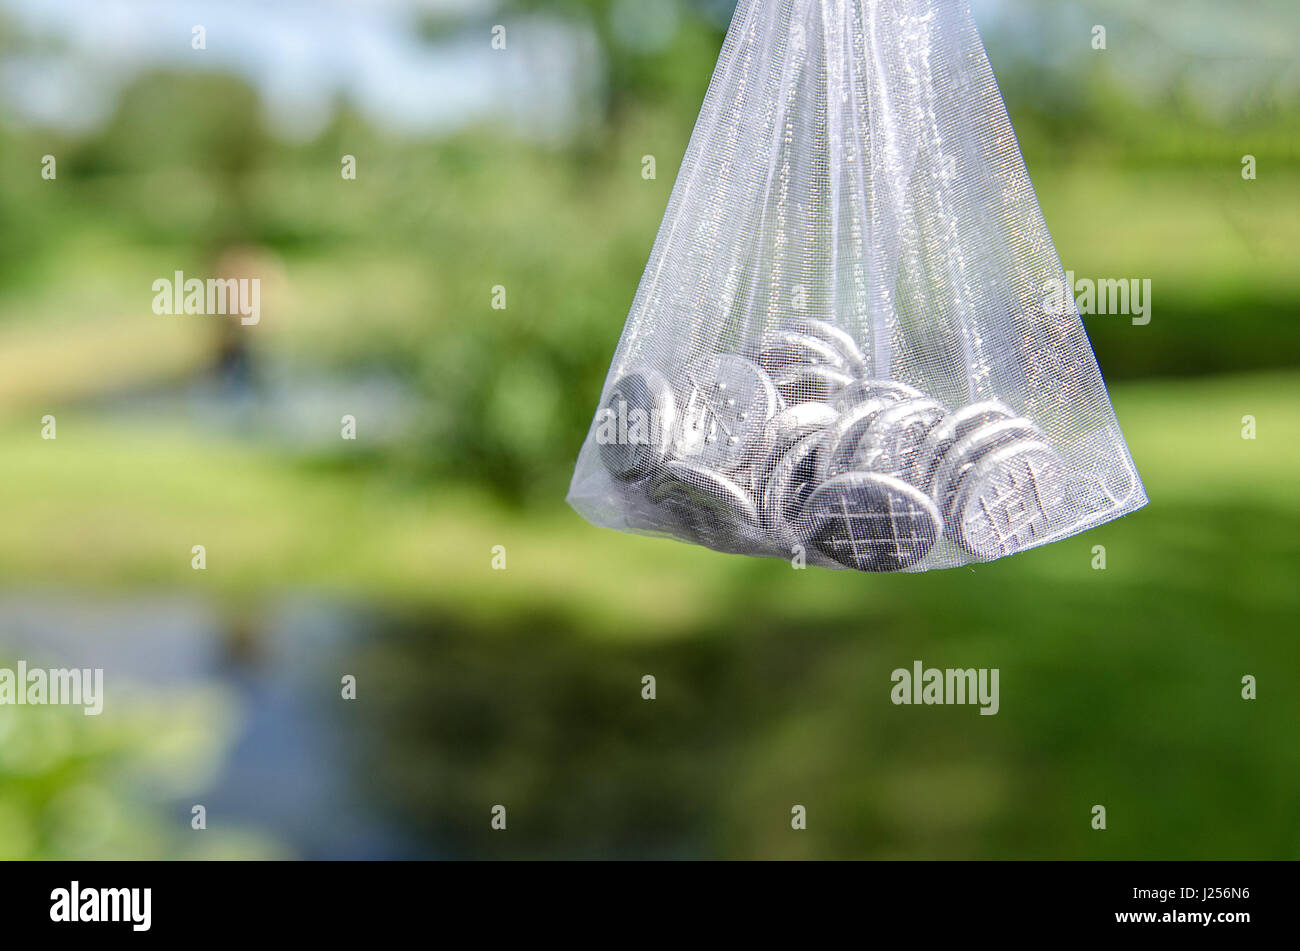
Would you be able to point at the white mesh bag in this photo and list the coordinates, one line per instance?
(851, 342)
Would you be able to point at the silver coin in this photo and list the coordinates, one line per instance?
(840, 339)
(892, 389)
(956, 426)
(711, 508)
(895, 437)
(872, 522)
(862, 390)
(788, 348)
(781, 433)
(793, 423)
(847, 433)
(729, 400)
(792, 479)
(635, 425)
(1009, 500)
(967, 451)
(811, 384)
(786, 428)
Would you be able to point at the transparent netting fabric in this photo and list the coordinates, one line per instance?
(850, 341)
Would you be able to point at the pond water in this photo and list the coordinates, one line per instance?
(288, 768)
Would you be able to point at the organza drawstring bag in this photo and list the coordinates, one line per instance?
(850, 343)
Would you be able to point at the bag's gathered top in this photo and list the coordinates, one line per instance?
(853, 341)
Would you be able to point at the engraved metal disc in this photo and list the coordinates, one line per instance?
(811, 384)
(710, 507)
(847, 433)
(896, 436)
(636, 425)
(840, 339)
(966, 452)
(788, 348)
(861, 390)
(872, 522)
(784, 430)
(792, 479)
(1009, 500)
(781, 433)
(956, 426)
(729, 400)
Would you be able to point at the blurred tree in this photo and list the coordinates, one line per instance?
(656, 51)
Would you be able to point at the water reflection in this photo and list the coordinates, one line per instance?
(449, 721)
(286, 767)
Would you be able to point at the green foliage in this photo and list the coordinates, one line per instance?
(70, 784)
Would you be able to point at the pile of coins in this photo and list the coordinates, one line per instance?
(790, 443)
